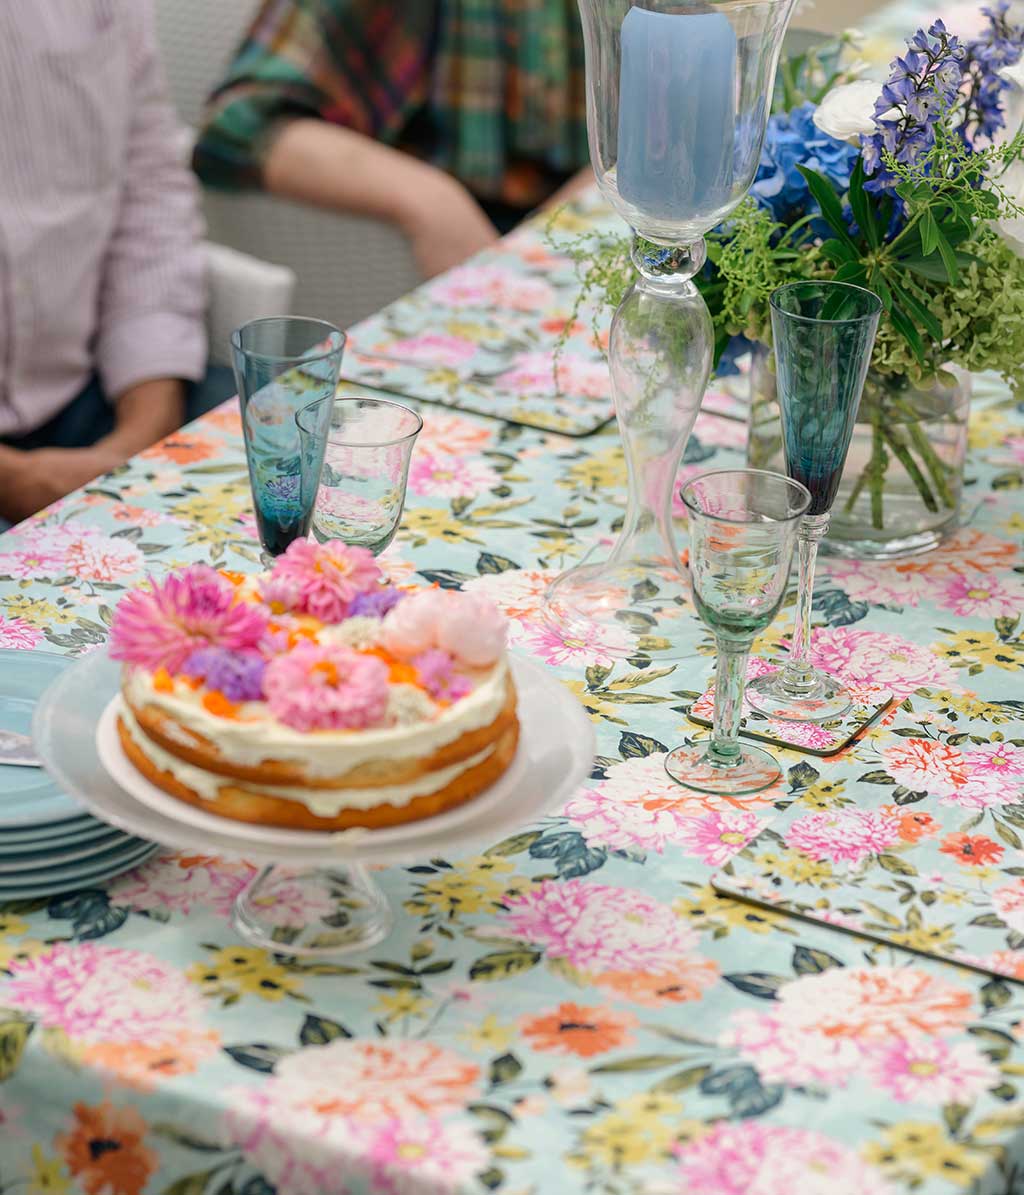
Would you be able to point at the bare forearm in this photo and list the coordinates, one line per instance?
(145, 413)
(343, 170)
(31, 480)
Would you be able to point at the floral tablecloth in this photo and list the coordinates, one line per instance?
(572, 1009)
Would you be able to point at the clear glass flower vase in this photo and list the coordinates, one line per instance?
(902, 485)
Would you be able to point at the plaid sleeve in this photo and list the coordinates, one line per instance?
(357, 63)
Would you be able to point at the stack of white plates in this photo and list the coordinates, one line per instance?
(48, 843)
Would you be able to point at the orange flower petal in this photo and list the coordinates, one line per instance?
(217, 704)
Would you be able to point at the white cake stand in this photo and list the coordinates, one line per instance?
(75, 735)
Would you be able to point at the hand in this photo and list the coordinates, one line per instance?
(31, 480)
(446, 226)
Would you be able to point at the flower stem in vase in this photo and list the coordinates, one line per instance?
(877, 468)
(902, 453)
(932, 462)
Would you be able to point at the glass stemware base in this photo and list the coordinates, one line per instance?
(337, 910)
(628, 609)
(700, 767)
(818, 697)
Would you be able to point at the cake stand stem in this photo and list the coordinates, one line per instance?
(313, 911)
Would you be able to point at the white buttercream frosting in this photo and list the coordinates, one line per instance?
(357, 633)
(256, 736)
(320, 802)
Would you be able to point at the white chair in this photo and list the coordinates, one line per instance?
(346, 267)
(241, 288)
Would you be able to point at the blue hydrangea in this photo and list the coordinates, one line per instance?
(794, 139)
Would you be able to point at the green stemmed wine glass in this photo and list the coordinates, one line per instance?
(824, 334)
(743, 525)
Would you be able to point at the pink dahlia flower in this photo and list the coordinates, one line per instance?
(187, 611)
(330, 687)
(321, 579)
(438, 676)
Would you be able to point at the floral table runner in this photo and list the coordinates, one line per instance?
(483, 336)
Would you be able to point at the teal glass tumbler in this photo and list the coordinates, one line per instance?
(743, 527)
(283, 365)
(824, 335)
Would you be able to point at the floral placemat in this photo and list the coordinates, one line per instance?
(483, 337)
(916, 839)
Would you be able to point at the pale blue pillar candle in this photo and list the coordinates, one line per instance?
(677, 113)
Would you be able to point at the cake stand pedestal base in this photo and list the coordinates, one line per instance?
(314, 911)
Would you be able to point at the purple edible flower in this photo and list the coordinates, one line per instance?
(236, 674)
(438, 676)
(376, 603)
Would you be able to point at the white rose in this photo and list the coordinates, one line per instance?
(1013, 100)
(1014, 75)
(1011, 228)
(848, 110)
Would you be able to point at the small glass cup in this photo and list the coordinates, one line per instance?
(743, 526)
(282, 365)
(361, 491)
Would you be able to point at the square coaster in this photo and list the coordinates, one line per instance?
(913, 837)
(811, 738)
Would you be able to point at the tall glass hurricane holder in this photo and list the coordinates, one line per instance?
(678, 97)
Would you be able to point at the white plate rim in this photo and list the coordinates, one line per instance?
(485, 818)
(127, 777)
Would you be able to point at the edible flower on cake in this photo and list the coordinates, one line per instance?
(467, 626)
(196, 608)
(316, 695)
(238, 675)
(320, 643)
(321, 579)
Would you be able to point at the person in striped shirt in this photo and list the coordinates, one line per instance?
(102, 293)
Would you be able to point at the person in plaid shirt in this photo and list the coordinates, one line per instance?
(448, 118)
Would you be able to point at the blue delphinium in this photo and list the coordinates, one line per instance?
(999, 46)
(922, 87)
(793, 138)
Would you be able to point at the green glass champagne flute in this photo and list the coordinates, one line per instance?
(824, 334)
(743, 526)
